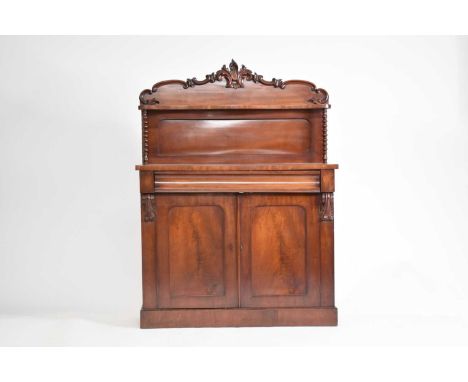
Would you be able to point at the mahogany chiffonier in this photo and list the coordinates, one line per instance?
(236, 203)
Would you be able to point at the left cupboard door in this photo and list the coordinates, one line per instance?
(196, 262)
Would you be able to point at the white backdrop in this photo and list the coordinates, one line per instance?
(70, 268)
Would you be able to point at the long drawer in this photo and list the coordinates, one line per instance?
(286, 182)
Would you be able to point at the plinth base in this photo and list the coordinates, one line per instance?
(237, 317)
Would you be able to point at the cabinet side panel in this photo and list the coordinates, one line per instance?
(327, 296)
(148, 241)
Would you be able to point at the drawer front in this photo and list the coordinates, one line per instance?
(237, 183)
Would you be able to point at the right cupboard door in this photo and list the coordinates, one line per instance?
(280, 250)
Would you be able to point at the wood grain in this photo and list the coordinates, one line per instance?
(327, 180)
(280, 249)
(196, 251)
(237, 202)
(198, 318)
(224, 167)
(234, 136)
(236, 183)
(233, 88)
(186, 137)
(148, 244)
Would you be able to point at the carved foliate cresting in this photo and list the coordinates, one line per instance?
(235, 79)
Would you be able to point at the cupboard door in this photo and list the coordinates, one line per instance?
(196, 251)
(280, 251)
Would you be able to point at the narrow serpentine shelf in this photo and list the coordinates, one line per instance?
(235, 167)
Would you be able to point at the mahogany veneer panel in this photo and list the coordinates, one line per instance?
(237, 201)
(238, 136)
(280, 251)
(196, 251)
(237, 183)
(196, 258)
(234, 136)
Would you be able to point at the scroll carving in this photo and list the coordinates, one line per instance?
(235, 79)
(319, 96)
(148, 208)
(326, 207)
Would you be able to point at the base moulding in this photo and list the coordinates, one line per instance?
(237, 317)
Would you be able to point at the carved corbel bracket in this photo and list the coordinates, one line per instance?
(326, 206)
(148, 209)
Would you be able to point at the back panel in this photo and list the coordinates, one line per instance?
(234, 136)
